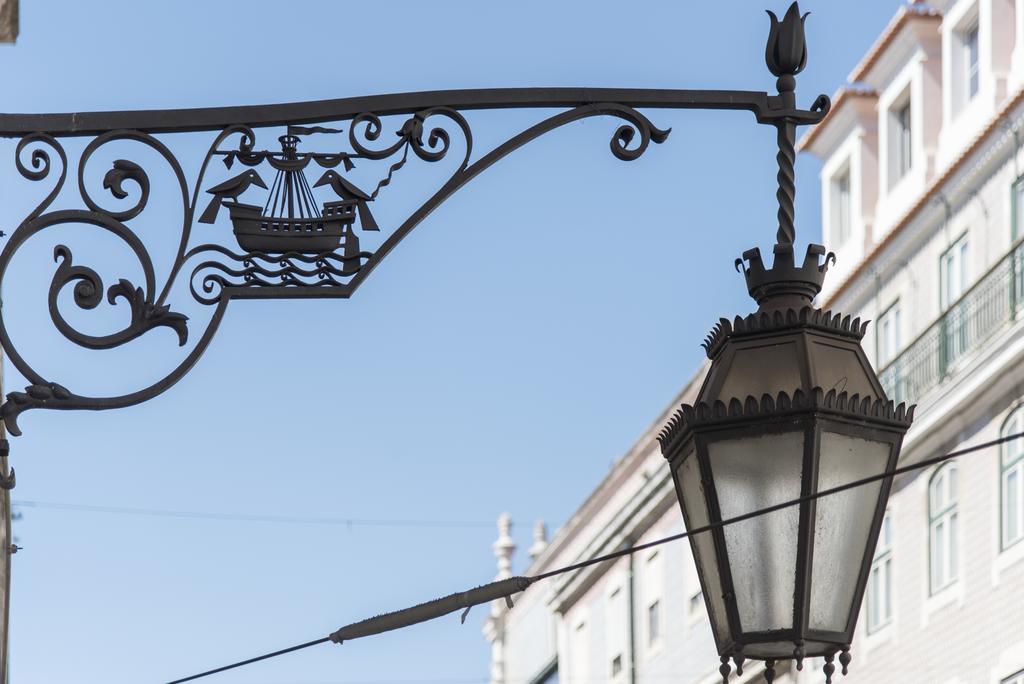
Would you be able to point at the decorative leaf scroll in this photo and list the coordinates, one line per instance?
(293, 236)
(35, 396)
(114, 180)
(145, 314)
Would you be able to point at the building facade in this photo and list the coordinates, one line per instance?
(923, 202)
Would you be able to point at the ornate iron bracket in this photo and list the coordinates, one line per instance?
(306, 237)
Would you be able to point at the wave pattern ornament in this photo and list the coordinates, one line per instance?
(212, 279)
(428, 127)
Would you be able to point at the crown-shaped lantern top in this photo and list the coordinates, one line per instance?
(785, 285)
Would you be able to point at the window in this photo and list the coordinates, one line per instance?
(616, 635)
(887, 335)
(900, 145)
(969, 48)
(1017, 678)
(953, 272)
(695, 605)
(841, 208)
(1011, 482)
(652, 592)
(580, 653)
(653, 623)
(549, 675)
(953, 277)
(1017, 204)
(880, 579)
(1014, 679)
(942, 527)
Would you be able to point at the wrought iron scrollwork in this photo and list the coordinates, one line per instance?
(289, 229)
(309, 239)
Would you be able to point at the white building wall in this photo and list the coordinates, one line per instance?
(531, 642)
(972, 632)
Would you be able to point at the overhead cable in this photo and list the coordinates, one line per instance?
(246, 517)
(506, 588)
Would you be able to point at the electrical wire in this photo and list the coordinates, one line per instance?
(779, 506)
(252, 660)
(244, 517)
(657, 542)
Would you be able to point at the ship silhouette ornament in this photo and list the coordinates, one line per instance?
(290, 220)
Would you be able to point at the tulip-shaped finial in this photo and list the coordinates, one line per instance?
(786, 51)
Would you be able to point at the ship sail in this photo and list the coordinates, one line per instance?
(290, 195)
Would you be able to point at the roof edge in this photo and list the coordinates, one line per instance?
(918, 11)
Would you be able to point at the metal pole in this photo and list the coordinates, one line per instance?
(6, 543)
(8, 34)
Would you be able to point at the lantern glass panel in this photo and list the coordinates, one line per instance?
(842, 525)
(703, 545)
(751, 473)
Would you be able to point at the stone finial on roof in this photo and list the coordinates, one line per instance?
(540, 539)
(8, 21)
(504, 546)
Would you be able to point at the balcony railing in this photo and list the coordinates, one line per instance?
(990, 305)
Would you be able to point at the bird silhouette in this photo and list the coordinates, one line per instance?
(230, 189)
(346, 191)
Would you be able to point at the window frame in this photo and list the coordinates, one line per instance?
(961, 248)
(549, 675)
(956, 340)
(948, 515)
(901, 146)
(616, 663)
(841, 187)
(616, 617)
(1016, 206)
(1016, 678)
(882, 559)
(654, 596)
(580, 651)
(893, 308)
(653, 635)
(695, 609)
(1005, 469)
(971, 77)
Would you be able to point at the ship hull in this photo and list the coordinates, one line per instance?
(258, 233)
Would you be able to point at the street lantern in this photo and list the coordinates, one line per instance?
(790, 407)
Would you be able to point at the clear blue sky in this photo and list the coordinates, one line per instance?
(501, 359)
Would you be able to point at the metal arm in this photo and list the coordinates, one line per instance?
(287, 248)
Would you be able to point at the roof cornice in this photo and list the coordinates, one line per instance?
(917, 12)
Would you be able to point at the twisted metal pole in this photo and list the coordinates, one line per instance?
(786, 193)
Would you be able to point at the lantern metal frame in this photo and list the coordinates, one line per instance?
(768, 376)
(689, 434)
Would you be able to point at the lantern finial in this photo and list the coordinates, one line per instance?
(829, 668)
(785, 285)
